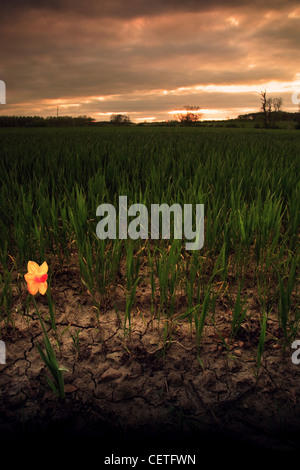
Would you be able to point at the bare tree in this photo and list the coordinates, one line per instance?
(269, 105)
(265, 107)
(277, 103)
(189, 115)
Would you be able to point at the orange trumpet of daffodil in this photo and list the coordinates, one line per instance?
(36, 277)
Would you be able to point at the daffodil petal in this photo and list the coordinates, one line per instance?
(43, 269)
(33, 267)
(43, 288)
(29, 277)
(33, 287)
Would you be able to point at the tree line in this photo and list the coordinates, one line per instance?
(51, 121)
(270, 113)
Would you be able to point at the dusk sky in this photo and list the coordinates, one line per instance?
(147, 59)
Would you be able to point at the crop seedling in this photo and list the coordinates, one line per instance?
(52, 183)
(56, 381)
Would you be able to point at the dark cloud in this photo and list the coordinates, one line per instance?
(136, 8)
(283, 35)
(74, 50)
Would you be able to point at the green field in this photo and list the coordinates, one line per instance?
(235, 299)
(53, 180)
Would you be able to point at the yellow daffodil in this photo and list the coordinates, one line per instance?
(36, 277)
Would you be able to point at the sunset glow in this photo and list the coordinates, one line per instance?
(148, 60)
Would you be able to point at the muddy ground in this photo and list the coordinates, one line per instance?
(134, 391)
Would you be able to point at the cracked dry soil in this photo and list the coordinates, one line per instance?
(133, 389)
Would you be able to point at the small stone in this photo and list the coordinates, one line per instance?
(70, 388)
(237, 352)
(110, 374)
(114, 356)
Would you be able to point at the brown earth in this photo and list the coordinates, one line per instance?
(133, 389)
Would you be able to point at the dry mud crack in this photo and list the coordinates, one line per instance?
(134, 388)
